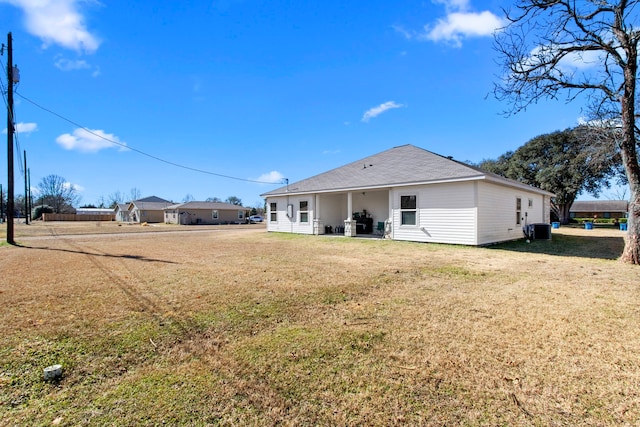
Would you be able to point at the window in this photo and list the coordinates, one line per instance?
(304, 211)
(273, 212)
(518, 210)
(408, 210)
(530, 203)
(240, 214)
(215, 214)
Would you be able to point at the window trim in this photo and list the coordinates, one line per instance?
(215, 214)
(414, 210)
(304, 211)
(518, 210)
(240, 214)
(273, 212)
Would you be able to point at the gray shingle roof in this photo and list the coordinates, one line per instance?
(150, 206)
(403, 165)
(206, 205)
(154, 199)
(600, 206)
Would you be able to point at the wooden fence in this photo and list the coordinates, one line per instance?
(74, 217)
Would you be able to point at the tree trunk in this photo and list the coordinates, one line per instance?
(631, 253)
(563, 213)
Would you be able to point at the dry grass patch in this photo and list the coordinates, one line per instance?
(241, 327)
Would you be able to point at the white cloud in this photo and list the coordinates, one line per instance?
(582, 60)
(57, 22)
(570, 63)
(76, 187)
(69, 65)
(459, 25)
(90, 140)
(271, 177)
(459, 22)
(65, 64)
(26, 127)
(376, 111)
(23, 128)
(408, 34)
(453, 5)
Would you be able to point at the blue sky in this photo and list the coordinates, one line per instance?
(255, 90)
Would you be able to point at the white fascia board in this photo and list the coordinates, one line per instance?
(378, 187)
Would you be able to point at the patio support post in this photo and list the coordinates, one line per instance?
(349, 223)
(318, 225)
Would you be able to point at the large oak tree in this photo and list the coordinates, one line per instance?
(576, 48)
(566, 163)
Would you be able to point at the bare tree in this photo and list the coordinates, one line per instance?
(114, 198)
(134, 194)
(56, 192)
(617, 194)
(234, 200)
(579, 48)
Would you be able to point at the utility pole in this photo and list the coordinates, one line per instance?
(10, 206)
(1, 205)
(26, 191)
(29, 199)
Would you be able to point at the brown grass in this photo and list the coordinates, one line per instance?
(235, 326)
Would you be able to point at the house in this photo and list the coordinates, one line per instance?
(149, 209)
(600, 209)
(408, 193)
(121, 211)
(204, 213)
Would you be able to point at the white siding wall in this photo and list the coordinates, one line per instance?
(446, 214)
(497, 212)
(467, 213)
(293, 224)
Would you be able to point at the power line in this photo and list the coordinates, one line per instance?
(140, 151)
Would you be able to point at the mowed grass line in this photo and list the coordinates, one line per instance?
(269, 329)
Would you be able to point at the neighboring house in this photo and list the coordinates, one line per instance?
(599, 209)
(204, 213)
(408, 193)
(149, 209)
(122, 212)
